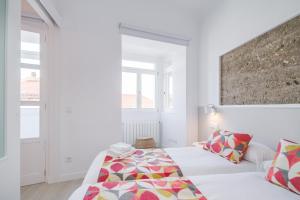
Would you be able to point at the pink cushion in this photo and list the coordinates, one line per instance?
(230, 145)
(285, 169)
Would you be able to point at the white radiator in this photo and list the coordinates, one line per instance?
(143, 128)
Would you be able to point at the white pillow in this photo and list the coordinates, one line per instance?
(258, 153)
(121, 147)
(267, 164)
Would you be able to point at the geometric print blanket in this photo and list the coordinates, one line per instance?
(157, 189)
(141, 164)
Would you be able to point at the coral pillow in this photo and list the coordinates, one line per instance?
(236, 145)
(214, 143)
(230, 145)
(285, 169)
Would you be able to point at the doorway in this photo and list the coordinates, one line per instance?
(153, 91)
(33, 132)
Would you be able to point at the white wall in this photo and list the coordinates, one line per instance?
(10, 166)
(87, 77)
(233, 23)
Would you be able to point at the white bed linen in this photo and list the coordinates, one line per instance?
(196, 161)
(191, 160)
(239, 186)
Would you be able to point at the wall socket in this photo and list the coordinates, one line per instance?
(69, 110)
(68, 159)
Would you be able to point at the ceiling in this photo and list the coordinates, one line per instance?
(198, 8)
(195, 8)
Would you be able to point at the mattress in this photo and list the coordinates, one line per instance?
(191, 160)
(196, 161)
(245, 186)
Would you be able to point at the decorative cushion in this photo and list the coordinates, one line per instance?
(236, 145)
(285, 169)
(230, 145)
(215, 142)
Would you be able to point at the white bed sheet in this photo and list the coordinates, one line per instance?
(238, 186)
(196, 161)
(191, 160)
(241, 186)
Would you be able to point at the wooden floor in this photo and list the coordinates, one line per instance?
(44, 191)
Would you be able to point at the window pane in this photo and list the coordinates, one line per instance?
(30, 84)
(138, 65)
(30, 48)
(129, 90)
(30, 58)
(148, 91)
(30, 122)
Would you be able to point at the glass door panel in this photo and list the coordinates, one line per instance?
(30, 85)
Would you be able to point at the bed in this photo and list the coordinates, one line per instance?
(191, 160)
(246, 186)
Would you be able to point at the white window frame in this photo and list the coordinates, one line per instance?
(37, 26)
(139, 73)
(167, 73)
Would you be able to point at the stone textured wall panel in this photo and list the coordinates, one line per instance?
(265, 70)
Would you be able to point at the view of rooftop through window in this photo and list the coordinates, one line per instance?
(138, 85)
(30, 85)
(30, 59)
(129, 90)
(148, 90)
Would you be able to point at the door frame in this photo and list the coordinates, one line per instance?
(38, 26)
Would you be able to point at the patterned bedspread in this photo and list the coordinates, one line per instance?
(182, 189)
(141, 164)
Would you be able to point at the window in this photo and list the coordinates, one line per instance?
(168, 89)
(138, 85)
(148, 90)
(30, 85)
(129, 90)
